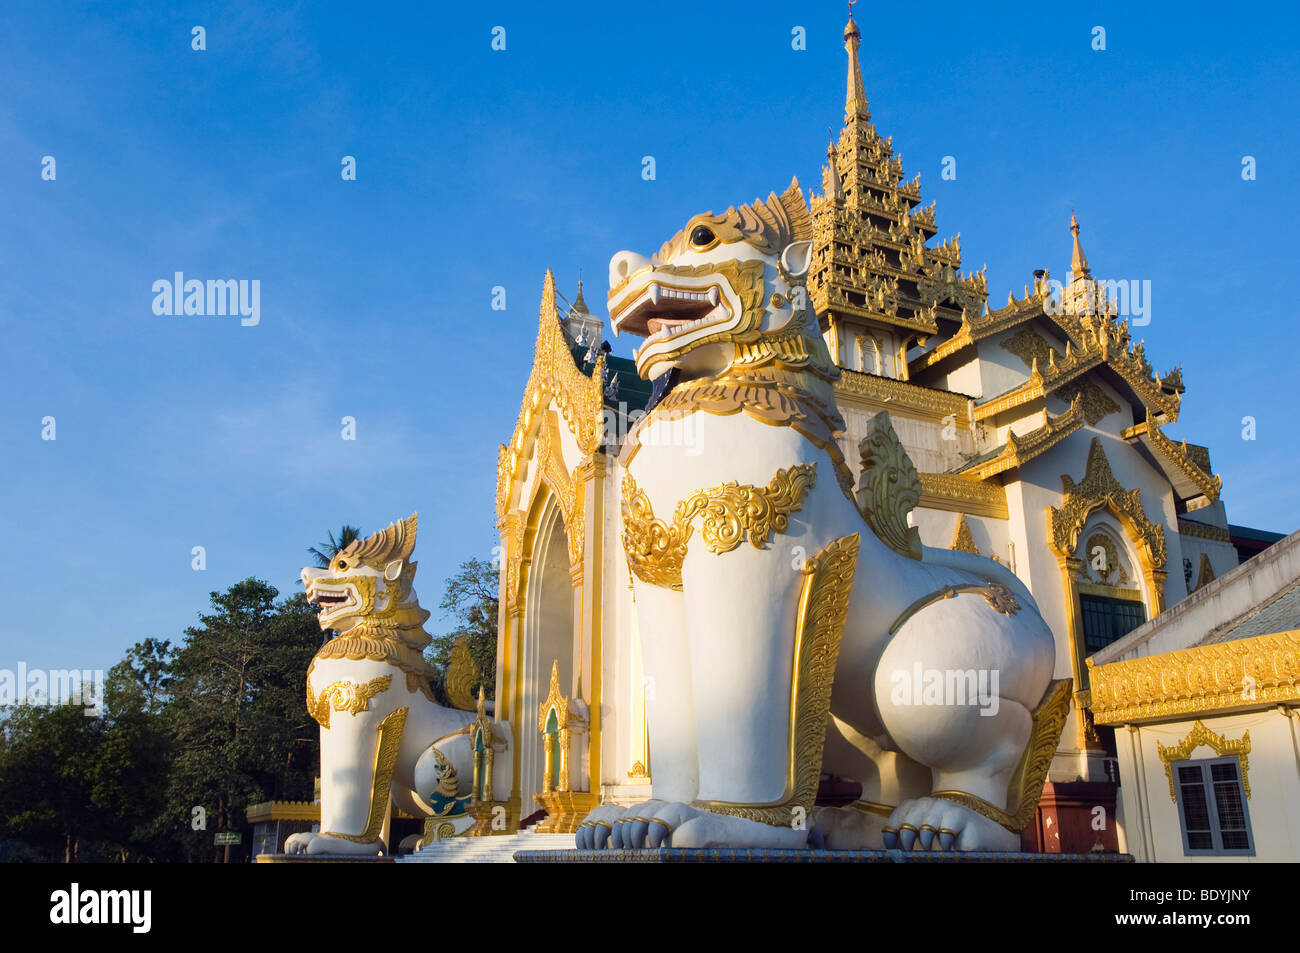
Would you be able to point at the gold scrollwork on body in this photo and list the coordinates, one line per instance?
(999, 597)
(732, 513)
(345, 696)
(823, 610)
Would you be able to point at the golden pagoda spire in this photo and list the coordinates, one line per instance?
(1078, 261)
(579, 305)
(855, 104)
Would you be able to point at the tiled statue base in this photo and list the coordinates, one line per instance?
(672, 855)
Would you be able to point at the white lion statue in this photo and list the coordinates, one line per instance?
(778, 604)
(382, 734)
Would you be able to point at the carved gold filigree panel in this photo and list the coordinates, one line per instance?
(1200, 735)
(732, 513)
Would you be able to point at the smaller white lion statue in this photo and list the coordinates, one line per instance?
(382, 735)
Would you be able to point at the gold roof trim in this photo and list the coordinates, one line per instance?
(1201, 531)
(961, 494)
(1179, 455)
(1258, 672)
(1018, 451)
(579, 398)
(903, 397)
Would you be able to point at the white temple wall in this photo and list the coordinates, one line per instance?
(1153, 829)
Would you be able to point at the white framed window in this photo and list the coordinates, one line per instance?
(1212, 808)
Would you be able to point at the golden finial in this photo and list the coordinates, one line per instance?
(856, 103)
(1078, 261)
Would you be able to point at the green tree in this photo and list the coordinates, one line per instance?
(470, 599)
(47, 766)
(324, 552)
(237, 709)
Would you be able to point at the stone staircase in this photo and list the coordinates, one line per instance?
(487, 850)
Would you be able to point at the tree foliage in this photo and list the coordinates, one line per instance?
(218, 721)
(471, 600)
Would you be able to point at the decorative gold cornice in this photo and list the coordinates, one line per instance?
(1018, 451)
(1201, 531)
(962, 494)
(732, 513)
(1200, 735)
(554, 376)
(1179, 455)
(1099, 489)
(1223, 676)
(904, 398)
(823, 610)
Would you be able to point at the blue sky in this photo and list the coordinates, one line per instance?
(478, 168)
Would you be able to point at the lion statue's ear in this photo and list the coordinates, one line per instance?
(393, 570)
(796, 259)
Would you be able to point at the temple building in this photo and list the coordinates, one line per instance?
(1039, 428)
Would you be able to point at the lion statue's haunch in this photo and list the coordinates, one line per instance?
(780, 607)
(381, 732)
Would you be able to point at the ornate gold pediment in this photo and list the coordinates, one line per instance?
(1099, 489)
(1200, 735)
(555, 377)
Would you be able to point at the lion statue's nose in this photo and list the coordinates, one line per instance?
(623, 264)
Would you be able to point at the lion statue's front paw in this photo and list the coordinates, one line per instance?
(675, 824)
(311, 843)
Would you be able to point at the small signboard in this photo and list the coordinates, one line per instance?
(226, 837)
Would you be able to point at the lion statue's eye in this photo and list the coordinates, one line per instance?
(342, 565)
(702, 236)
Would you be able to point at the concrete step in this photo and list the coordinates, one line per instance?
(487, 850)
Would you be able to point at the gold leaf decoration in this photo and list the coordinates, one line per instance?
(462, 677)
(345, 696)
(1100, 489)
(732, 513)
(962, 540)
(1200, 735)
(889, 487)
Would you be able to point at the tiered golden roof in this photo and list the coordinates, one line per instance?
(871, 265)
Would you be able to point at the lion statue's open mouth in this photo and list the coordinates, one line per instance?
(664, 302)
